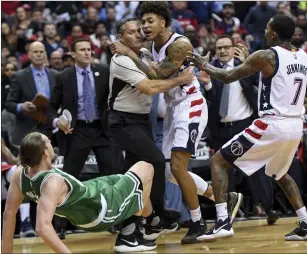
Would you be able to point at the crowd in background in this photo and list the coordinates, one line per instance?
(58, 24)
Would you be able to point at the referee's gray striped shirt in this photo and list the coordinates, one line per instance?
(124, 78)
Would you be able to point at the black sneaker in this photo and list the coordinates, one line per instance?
(233, 205)
(62, 234)
(273, 216)
(298, 234)
(133, 242)
(196, 230)
(26, 228)
(162, 228)
(222, 229)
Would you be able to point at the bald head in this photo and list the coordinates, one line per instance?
(37, 54)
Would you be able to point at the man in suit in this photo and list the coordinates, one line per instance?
(83, 90)
(232, 108)
(26, 84)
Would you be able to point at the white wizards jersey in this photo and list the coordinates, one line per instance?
(283, 93)
(179, 92)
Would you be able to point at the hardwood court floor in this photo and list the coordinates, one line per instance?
(253, 236)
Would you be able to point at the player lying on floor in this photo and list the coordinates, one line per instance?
(95, 205)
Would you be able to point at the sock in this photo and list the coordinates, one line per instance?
(153, 219)
(195, 214)
(200, 183)
(129, 225)
(221, 211)
(24, 210)
(302, 214)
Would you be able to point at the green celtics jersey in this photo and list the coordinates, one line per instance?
(84, 205)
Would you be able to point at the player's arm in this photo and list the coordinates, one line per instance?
(51, 192)
(126, 70)
(176, 54)
(152, 87)
(261, 60)
(13, 201)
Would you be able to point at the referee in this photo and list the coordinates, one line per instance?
(130, 101)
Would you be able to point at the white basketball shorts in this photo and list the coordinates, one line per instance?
(270, 141)
(184, 124)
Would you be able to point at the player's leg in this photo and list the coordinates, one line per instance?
(292, 192)
(190, 119)
(249, 151)
(129, 239)
(278, 168)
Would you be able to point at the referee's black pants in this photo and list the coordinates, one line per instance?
(260, 185)
(134, 134)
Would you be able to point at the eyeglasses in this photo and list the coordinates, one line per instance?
(9, 69)
(227, 47)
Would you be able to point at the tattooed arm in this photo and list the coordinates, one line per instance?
(176, 54)
(262, 60)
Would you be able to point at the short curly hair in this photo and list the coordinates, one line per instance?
(159, 8)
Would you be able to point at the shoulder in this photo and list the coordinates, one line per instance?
(121, 61)
(65, 72)
(23, 72)
(181, 44)
(17, 176)
(52, 179)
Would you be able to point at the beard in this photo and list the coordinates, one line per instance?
(297, 42)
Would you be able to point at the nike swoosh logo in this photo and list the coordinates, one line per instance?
(217, 230)
(135, 243)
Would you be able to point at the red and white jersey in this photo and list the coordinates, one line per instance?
(179, 92)
(283, 93)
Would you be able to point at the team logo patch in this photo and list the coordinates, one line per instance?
(236, 148)
(295, 57)
(193, 135)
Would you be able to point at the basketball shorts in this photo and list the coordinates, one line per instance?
(269, 141)
(184, 124)
(124, 197)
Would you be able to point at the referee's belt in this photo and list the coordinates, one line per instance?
(230, 124)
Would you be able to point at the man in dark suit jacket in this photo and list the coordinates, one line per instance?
(232, 108)
(83, 90)
(26, 84)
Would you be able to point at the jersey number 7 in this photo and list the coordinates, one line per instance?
(299, 83)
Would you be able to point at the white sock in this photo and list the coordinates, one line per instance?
(24, 210)
(221, 211)
(195, 214)
(302, 214)
(201, 184)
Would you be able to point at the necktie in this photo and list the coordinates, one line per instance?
(88, 97)
(225, 98)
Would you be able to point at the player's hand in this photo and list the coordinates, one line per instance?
(241, 52)
(64, 126)
(199, 61)
(118, 48)
(28, 107)
(204, 77)
(187, 75)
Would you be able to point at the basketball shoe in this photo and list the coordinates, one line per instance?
(133, 243)
(234, 202)
(195, 233)
(298, 234)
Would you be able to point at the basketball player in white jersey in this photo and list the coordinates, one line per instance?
(273, 139)
(186, 115)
